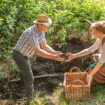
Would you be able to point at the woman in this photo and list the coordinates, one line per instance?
(97, 73)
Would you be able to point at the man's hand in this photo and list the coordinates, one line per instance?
(70, 56)
(57, 58)
(58, 53)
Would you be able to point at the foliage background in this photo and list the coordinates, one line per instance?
(67, 16)
(68, 21)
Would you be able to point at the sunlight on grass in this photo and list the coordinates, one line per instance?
(58, 98)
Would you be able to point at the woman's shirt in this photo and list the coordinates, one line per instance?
(98, 45)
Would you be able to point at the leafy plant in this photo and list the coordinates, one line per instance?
(67, 16)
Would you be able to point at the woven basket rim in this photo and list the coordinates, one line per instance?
(77, 86)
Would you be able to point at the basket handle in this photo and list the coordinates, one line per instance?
(77, 68)
(80, 81)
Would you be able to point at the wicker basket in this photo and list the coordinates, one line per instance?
(75, 85)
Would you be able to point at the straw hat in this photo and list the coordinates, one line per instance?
(43, 19)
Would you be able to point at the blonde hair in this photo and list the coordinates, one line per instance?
(99, 26)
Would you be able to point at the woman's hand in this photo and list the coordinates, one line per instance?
(89, 79)
(95, 57)
(58, 58)
(70, 56)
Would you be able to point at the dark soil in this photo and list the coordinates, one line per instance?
(45, 66)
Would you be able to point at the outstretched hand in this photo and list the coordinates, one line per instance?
(58, 58)
(70, 57)
(58, 53)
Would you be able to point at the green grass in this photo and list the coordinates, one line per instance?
(58, 98)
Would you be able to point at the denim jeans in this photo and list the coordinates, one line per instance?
(26, 72)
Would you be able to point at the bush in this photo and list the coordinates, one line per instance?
(67, 16)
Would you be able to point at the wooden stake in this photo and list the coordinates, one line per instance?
(89, 30)
(40, 76)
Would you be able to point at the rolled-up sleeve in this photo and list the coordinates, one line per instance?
(95, 46)
(102, 58)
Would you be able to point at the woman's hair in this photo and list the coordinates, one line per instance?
(99, 26)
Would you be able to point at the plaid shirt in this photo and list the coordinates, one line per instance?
(30, 37)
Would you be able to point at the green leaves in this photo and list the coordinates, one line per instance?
(7, 1)
(67, 17)
(1, 21)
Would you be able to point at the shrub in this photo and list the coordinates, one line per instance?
(67, 16)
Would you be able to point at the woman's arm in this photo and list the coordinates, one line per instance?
(85, 52)
(82, 53)
(99, 65)
(89, 50)
(96, 69)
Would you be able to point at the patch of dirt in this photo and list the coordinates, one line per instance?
(45, 66)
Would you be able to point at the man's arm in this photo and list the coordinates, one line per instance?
(44, 54)
(48, 49)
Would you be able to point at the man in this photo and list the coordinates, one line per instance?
(28, 45)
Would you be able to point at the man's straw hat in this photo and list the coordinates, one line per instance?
(43, 19)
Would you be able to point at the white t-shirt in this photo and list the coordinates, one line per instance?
(98, 45)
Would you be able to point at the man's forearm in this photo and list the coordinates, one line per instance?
(82, 53)
(49, 49)
(44, 54)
